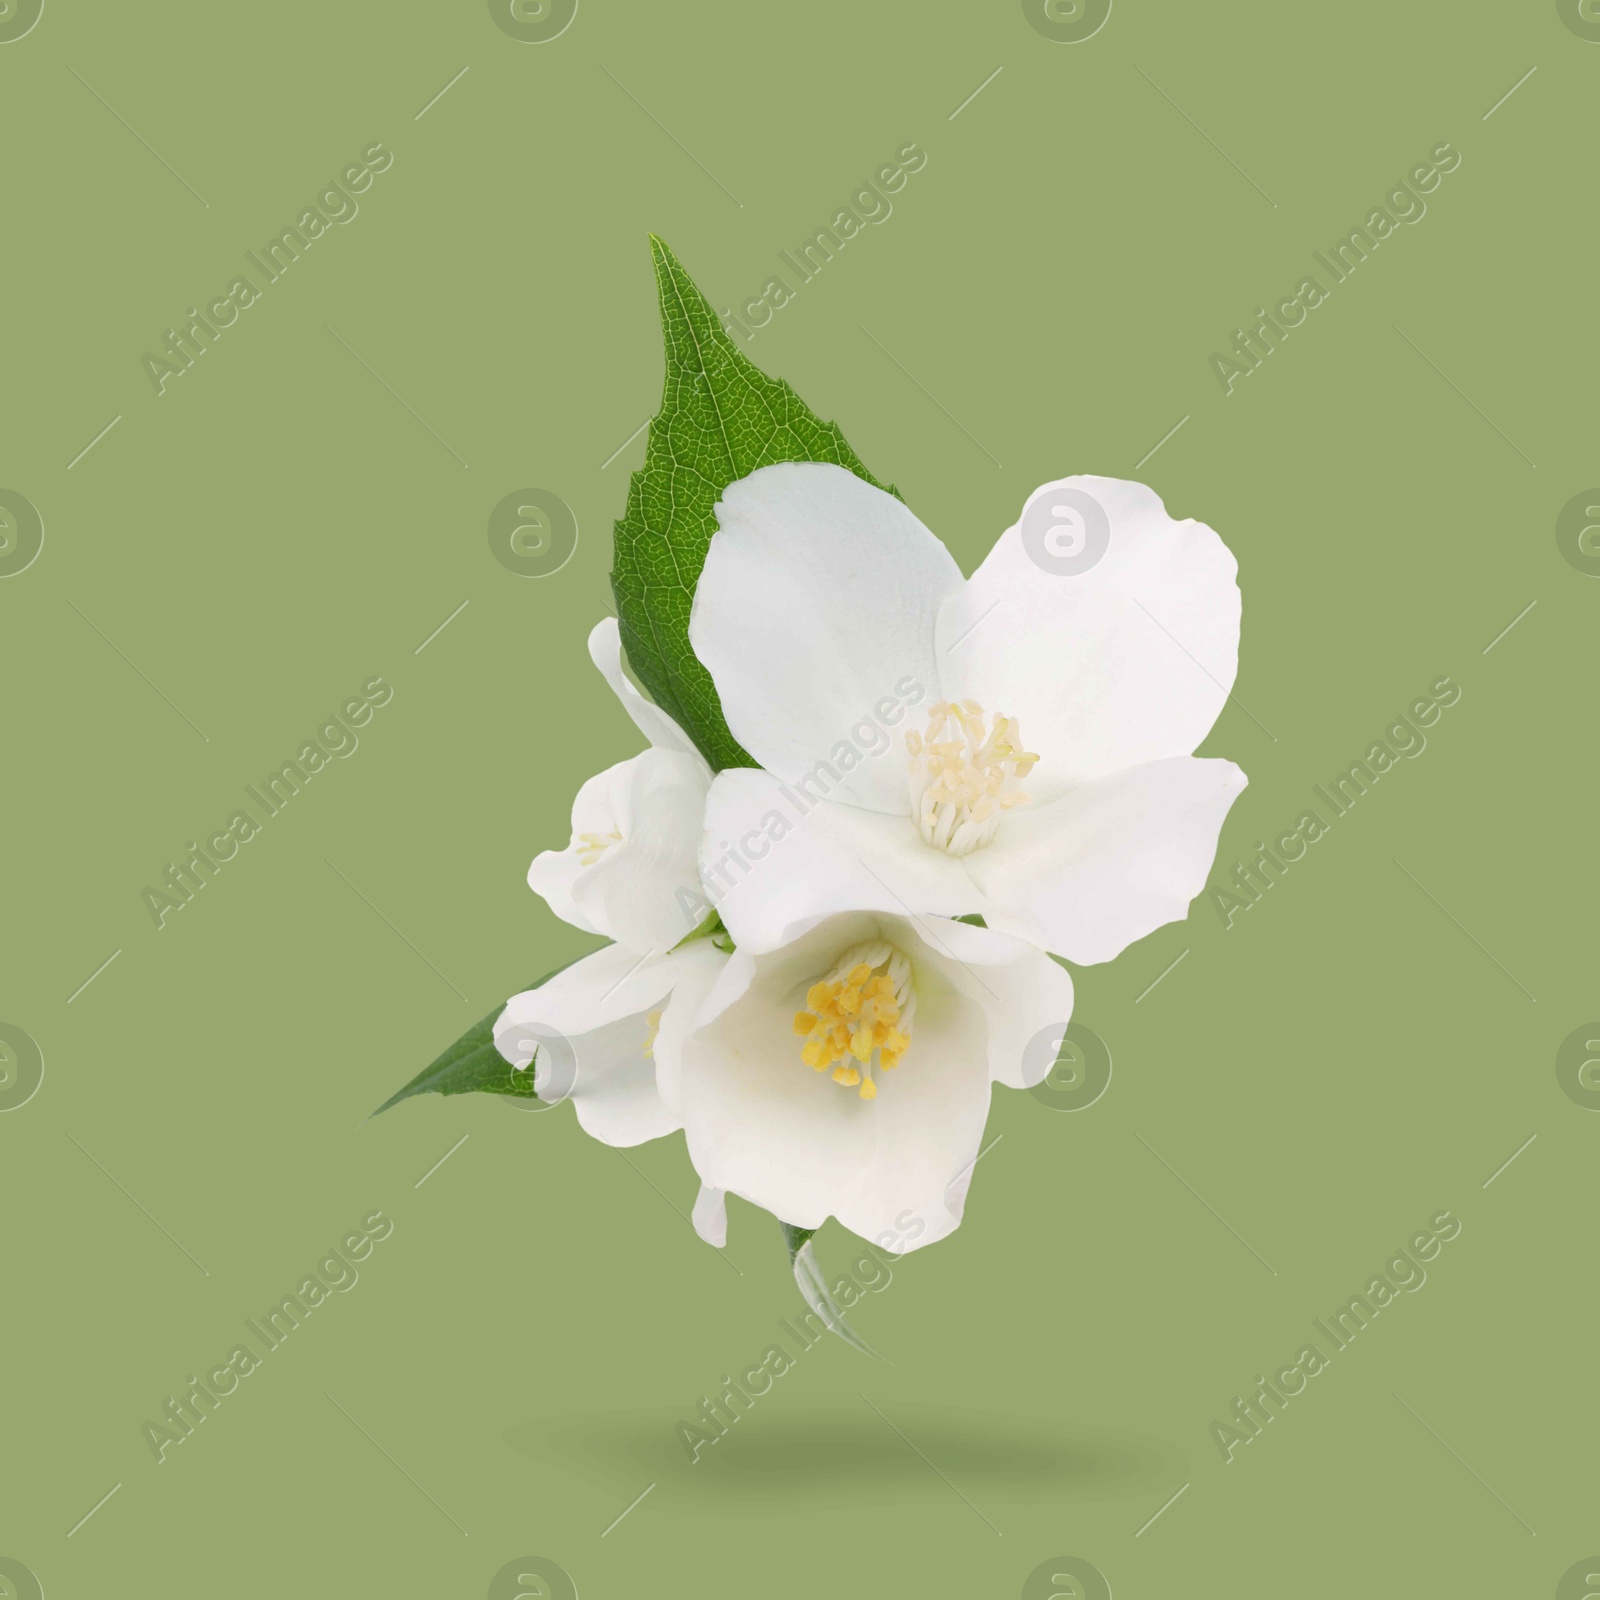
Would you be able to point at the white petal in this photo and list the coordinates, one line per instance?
(555, 874)
(601, 988)
(590, 1026)
(774, 863)
(1025, 996)
(695, 969)
(605, 650)
(989, 1008)
(1126, 662)
(710, 1216)
(1114, 860)
(645, 892)
(816, 606)
(758, 1121)
(930, 1115)
(614, 1092)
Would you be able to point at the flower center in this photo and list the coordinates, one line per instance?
(863, 1007)
(964, 778)
(594, 845)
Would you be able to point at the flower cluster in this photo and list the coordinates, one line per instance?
(826, 1022)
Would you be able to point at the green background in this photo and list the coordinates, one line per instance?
(304, 508)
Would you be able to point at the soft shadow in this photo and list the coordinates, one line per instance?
(840, 1455)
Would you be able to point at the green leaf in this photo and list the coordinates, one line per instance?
(720, 419)
(472, 1065)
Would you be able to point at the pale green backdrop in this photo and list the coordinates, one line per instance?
(308, 508)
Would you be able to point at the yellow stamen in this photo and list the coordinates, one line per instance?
(862, 1009)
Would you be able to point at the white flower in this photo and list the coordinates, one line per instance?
(847, 1074)
(629, 874)
(1051, 788)
(630, 871)
(594, 1032)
